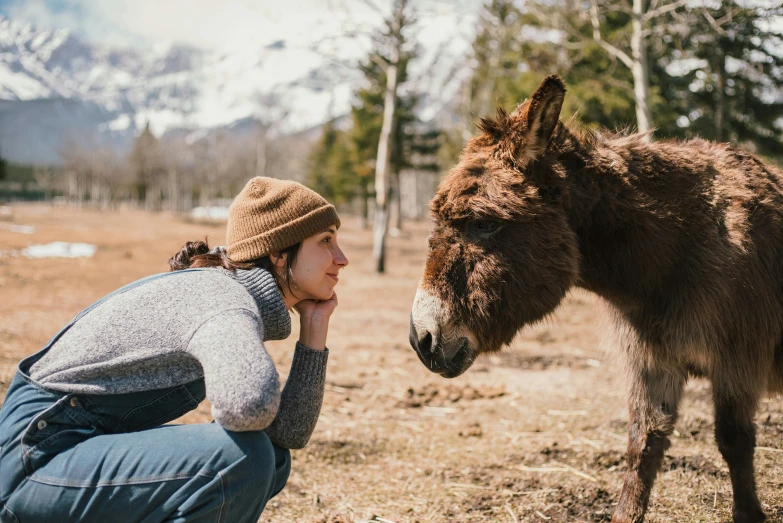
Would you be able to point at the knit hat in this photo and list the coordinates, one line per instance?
(270, 215)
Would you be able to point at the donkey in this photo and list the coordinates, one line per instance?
(684, 240)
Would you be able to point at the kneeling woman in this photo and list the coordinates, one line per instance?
(82, 434)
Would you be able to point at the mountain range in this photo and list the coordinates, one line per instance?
(56, 87)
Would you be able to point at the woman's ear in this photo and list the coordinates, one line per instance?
(278, 258)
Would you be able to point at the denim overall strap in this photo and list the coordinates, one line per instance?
(27, 363)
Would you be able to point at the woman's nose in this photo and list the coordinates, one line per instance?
(340, 259)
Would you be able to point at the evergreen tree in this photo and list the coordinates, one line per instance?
(731, 53)
(512, 52)
(147, 163)
(331, 172)
(733, 94)
(3, 166)
(366, 121)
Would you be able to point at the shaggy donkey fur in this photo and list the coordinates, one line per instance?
(683, 239)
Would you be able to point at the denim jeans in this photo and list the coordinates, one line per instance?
(95, 458)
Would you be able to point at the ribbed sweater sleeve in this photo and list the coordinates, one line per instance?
(300, 403)
(241, 380)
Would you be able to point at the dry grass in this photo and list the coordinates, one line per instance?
(535, 433)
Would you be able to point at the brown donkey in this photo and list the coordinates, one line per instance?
(683, 240)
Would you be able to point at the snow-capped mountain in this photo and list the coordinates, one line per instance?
(55, 86)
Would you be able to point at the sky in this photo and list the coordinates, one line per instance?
(237, 29)
(200, 23)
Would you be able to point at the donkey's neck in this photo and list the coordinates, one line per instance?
(625, 237)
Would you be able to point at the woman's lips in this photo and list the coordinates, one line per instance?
(334, 277)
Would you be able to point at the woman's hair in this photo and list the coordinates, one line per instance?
(195, 255)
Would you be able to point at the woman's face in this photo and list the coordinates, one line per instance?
(317, 265)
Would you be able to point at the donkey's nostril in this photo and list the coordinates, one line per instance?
(422, 346)
(425, 344)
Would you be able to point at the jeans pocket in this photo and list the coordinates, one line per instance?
(54, 430)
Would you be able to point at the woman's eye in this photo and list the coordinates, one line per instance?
(328, 239)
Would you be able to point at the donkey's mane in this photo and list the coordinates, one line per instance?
(567, 133)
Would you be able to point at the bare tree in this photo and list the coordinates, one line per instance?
(45, 177)
(383, 161)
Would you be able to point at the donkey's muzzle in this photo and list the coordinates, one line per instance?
(449, 362)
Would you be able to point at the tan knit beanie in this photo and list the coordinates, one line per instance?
(270, 215)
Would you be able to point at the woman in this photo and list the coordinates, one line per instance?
(82, 434)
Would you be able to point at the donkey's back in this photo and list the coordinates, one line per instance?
(708, 235)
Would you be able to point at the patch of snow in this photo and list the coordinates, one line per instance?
(684, 66)
(21, 229)
(210, 213)
(60, 250)
(23, 86)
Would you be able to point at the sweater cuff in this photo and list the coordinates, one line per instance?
(309, 363)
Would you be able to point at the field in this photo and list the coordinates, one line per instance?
(534, 433)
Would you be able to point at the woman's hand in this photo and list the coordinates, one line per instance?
(310, 308)
(314, 318)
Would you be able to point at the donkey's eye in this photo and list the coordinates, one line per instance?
(482, 228)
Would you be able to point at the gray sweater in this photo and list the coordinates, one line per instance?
(177, 329)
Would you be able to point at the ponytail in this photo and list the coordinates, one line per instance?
(196, 255)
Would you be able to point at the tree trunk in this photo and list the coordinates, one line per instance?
(396, 203)
(493, 68)
(720, 94)
(365, 217)
(173, 190)
(96, 195)
(187, 203)
(379, 234)
(261, 143)
(383, 161)
(73, 187)
(640, 70)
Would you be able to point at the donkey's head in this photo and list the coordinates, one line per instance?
(502, 253)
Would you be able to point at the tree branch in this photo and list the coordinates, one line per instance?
(372, 5)
(649, 15)
(715, 25)
(609, 48)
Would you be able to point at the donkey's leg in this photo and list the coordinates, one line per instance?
(653, 401)
(736, 438)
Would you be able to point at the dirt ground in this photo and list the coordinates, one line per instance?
(535, 433)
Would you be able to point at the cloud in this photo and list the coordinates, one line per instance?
(200, 23)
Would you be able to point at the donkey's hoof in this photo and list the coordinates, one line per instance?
(753, 515)
(625, 518)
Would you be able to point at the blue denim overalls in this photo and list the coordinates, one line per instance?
(79, 457)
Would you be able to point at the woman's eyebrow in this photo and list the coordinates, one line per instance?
(330, 229)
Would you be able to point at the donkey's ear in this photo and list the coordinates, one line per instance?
(541, 115)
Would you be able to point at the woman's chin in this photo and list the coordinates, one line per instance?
(324, 295)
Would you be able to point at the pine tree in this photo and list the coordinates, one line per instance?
(497, 54)
(331, 172)
(3, 166)
(366, 120)
(734, 95)
(514, 49)
(512, 56)
(147, 163)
